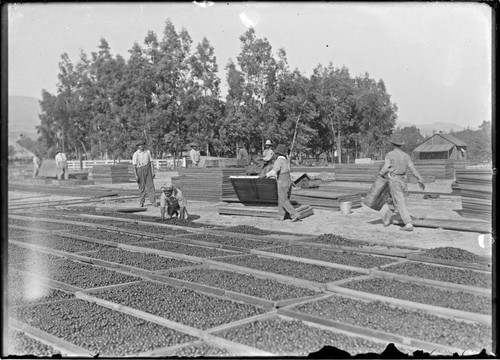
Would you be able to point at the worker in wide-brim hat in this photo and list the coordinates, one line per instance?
(61, 165)
(268, 152)
(194, 154)
(397, 163)
(173, 201)
(144, 173)
(281, 171)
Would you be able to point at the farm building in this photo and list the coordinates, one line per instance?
(443, 147)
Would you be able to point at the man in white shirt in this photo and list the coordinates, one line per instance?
(268, 152)
(62, 165)
(194, 154)
(144, 173)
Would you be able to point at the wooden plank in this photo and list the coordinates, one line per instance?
(265, 274)
(310, 261)
(236, 348)
(352, 330)
(167, 351)
(142, 315)
(161, 252)
(402, 253)
(452, 224)
(299, 300)
(65, 347)
(47, 281)
(110, 287)
(249, 299)
(239, 323)
(445, 285)
(459, 264)
(436, 310)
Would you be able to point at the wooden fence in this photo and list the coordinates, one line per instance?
(159, 164)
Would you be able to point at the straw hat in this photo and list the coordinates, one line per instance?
(397, 140)
(281, 150)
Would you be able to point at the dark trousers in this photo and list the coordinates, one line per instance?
(146, 184)
(284, 205)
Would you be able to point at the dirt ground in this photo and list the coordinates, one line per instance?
(362, 223)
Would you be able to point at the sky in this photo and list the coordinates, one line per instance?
(435, 58)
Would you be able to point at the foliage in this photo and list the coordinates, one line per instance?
(479, 142)
(168, 93)
(411, 137)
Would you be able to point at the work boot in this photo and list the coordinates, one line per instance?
(407, 227)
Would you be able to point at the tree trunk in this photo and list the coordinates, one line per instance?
(339, 148)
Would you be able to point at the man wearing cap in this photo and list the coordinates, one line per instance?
(194, 154)
(268, 152)
(281, 170)
(174, 201)
(396, 165)
(62, 165)
(144, 173)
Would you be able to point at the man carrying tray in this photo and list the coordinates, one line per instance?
(396, 165)
(281, 170)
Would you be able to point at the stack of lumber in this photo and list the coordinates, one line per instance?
(131, 172)
(440, 169)
(476, 192)
(326, 199)
(461, 164)
(208, 184)
(251, 189)
(427, 179)
(262, 210)
(111, 174)
(311, 169)
(357, 172)
(346, 187)
(214, 161)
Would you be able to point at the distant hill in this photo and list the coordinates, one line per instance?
(427, 129)
(23, 115)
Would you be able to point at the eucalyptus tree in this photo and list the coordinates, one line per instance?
(57, 111)
(171, 105)
(203, 94)
(375, 115)
(334, 90)
(249, 104)
(293, 110)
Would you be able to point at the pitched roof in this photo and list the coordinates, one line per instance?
(453, 139)
(425, 147)
(21, 152)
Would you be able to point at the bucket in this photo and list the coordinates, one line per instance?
(345, 207)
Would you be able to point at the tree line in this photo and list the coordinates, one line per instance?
(168, 93)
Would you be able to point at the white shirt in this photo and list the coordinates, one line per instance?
(195, 156)
(141, 158)
(61, 158)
